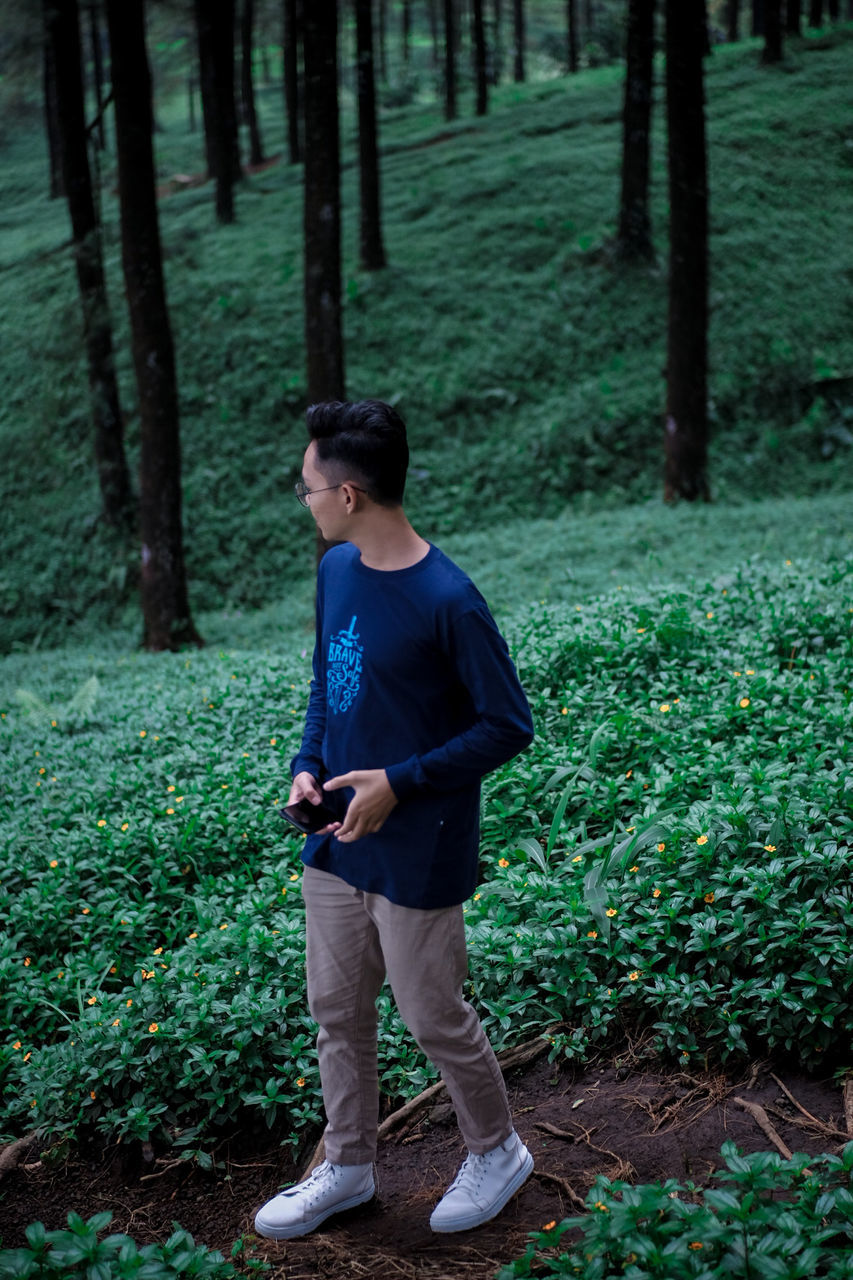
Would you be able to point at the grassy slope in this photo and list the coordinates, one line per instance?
(528, 367)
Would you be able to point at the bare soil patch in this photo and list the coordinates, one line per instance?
(633, 1122)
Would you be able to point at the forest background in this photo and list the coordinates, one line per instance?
(688, 664)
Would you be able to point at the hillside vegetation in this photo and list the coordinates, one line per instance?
(528, 364)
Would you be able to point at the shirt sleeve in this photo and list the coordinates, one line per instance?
(502, 725)
(309, 758)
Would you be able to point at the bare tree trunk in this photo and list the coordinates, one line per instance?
(572, 35)
(793, 10)
(834, 7)
(97, 72)
(816, 13)
(497, 42)
(292, 95)
(733, 15)
(635, 232)
(758, 17)
(478, 40)
(406, 30)
(518, 40)
(772, 51)
(247, 83)
(383, 43)
(372, 248)
(449, 62)
(322, 208)
(165, 605)
(62, 25)
(215, 23)
(433, 30)
(51, 120)
(686, 434)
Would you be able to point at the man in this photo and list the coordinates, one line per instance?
(414, 698)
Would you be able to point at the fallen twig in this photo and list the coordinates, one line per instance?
(569, 1192)
(847, 1094)
(13, 1153)
(762, 1119)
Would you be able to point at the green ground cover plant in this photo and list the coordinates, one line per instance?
(764, 1217)
(527, 363)
(671, 854)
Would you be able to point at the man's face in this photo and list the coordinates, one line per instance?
(324, 501)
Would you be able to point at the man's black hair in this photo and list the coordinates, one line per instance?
(365, 441)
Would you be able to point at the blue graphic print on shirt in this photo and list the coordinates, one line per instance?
(343, 669)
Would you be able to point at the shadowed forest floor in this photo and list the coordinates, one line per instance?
(629, 1122)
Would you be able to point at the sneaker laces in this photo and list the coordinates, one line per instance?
(471, 1174)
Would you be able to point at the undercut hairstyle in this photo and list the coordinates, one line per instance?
(364, 442)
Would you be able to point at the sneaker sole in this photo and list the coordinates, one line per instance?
(472, 1220)
(272, 1232)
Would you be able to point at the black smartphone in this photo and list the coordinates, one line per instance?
(308, 817)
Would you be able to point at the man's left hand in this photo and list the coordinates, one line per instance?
(369, 807)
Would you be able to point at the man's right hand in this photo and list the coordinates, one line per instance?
(304, 787)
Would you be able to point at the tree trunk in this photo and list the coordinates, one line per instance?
(635, 235)
(589, 18)
(518, 40)
(772, 51)
(292, 95)
(686, 434)
(758, 17)
(62, 25)
(383, 44)
(433, 30)
(165, 606)
(406, 30)
(793, 10)
(449, 62)
(247, 84)
(215, 24)
(97, 72)
(816, 13)
(478, 40)
(733, 16)
(322, 207)
(372, 248)
(834, 7)
(572, 35)
(51, 119)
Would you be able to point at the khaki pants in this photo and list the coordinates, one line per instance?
(353, 939)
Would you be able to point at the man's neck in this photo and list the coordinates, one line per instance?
(387, 541)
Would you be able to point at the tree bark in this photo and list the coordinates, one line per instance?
(686, 433)
(292, 94)
(758, 17)
(165, 605)
(322, 205)
(449, 62)
(816, 13)
(634, 240)
(372, 248)
(51, 119)
(772, 51)
(383, 44)
(834, 7)
(518, 40)
(478, 40)
(433, 30)
(215, 24)
(247, 82)
(62, 25)
(97, 72)
(793, 10)
(572, 35)
(406, 30)
(733, 17)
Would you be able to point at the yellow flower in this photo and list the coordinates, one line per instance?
(549, 1226)
(633, 868)
(295, 875)
(593, 933)
(749, 671)
(664, 706)
(92, 1094)
(661, 847)
(565, 711)
(273, 741)
(92, 1000)
(170, 788)
(579, 858)
(770, 848)
(179, 799)
(143, 733)
(223, 926)
(701, 839)
(744, 702)
(503, 862)
(655, 893)
(633, 975)
(124, 826)
(300, 1083)
(147, 973)
(158, 951)
(128, 1003)
(602, 1207)
(709, 897)
(27, 962)
(16, 1045)
(117, 1022)
(735, 673)
(477, 897)
(86, 911)
(193, 935)
(696, 1244)
(170, 810)
(61, 973)
(641, 631)
(709, 614)
(42, 769)
(611, 911)
(153, 1028)
(628, 774)
(102, 822)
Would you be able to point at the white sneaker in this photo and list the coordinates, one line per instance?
(482, 1186)
(329, 1189)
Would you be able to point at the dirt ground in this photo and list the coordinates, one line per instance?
(626, 1122)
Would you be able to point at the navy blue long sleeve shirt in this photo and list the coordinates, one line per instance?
(411, 675)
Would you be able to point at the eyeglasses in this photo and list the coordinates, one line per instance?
(303, 493)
